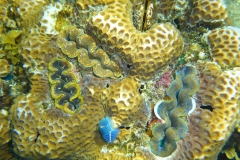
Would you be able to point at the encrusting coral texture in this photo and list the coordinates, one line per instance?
(90, 68)
(208, 11)
(5, 136)
(224, 45)
(146, 52)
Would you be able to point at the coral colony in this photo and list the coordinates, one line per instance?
(119, 79)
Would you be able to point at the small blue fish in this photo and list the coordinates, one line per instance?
(107, 131)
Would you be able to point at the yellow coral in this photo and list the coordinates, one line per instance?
(224, 45)
(84, 4)
(26, 6)
(5, 68)
(4, 127)
(166, 7)
(147, 52)
(5, 136)
(5, 20)
(208, 11)
(64, 87)
(48, 133)
(37, 50)
(123, 100)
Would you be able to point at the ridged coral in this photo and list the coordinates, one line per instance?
(5, 68)
(84, 4)
(210, 129)
(224, 46)
(174, 112)
(5, 127)
(37, 50)
(75, 44)
(208, 11)
(146, 52)
(5, 20)
(5, 136)
(123, 101)
(26, 6)
(49, 18)
(42, 133)
(165, 7)
(64, 88)
(40, 130)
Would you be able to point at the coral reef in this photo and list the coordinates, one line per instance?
(5, 19)
(208, 11)
(86, 80)
(174, 112)
(123, 100)
(49, 19)
(166, 7)
(146, 52)
(40, 133)
(37, 50)
(64, 88)
(74, 43)
(224, 45)
(210, 127)
(5, 68)
(5, 136)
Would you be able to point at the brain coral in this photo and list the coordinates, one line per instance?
(174, 113)
(37, 50)
(51, 121)
(208, 11)
(123, 100)
(146, 52)
(224, 45)
(42, 134)
(210, 129)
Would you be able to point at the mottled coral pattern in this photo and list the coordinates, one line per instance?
(67, 65)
